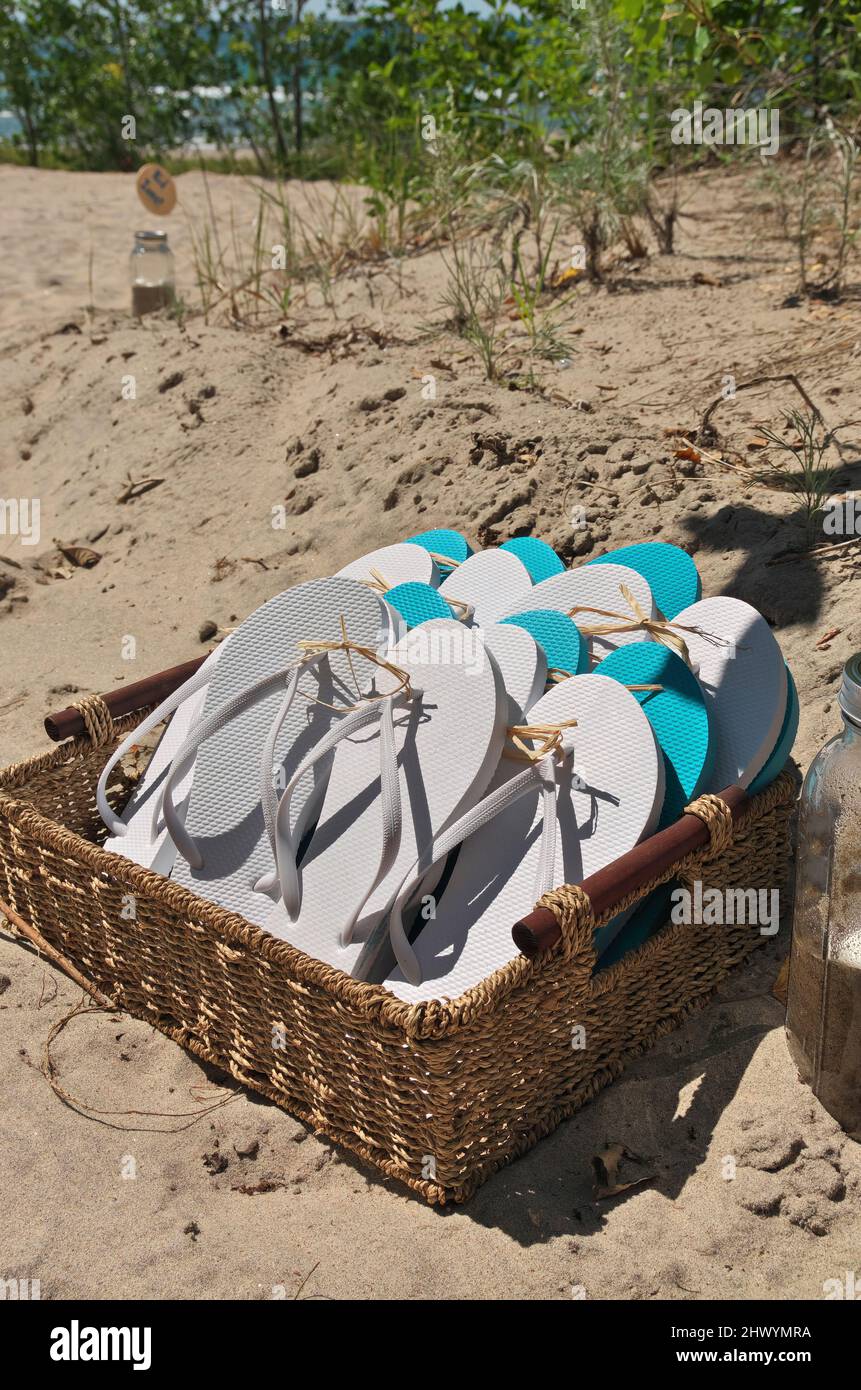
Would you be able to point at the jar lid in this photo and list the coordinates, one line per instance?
(849, 698)
(151, 236)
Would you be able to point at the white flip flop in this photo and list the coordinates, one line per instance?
(142, 835)
(558, 821)
(741, 670)
(520, 658)
(601, 587)
(522, 665)
(489, 582)
(383, 807)
(394, 564)
(264, 682)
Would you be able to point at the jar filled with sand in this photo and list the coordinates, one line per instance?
(152, 273)
(823, 1018)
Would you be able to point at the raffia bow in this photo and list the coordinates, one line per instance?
(444, 560)
(550, 734)
(380, 585)
(660, 629)
(377, 581)
(311, 648)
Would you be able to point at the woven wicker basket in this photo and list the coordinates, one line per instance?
(438, 1095)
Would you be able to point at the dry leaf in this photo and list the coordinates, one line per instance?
(781, 984)
(605, 1167)
(693, 454)
(757, 442)
(567, 276)
(822, 644)
(81, 556)
(702, 279)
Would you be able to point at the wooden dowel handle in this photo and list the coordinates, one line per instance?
(539, 930)
(149, 691)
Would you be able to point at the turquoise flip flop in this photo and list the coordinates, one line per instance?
(443, 544)
(669, 571)
(654, 910)
(677, 713)
(782, 749)
(558, 636)
(679, 718)
(539, 558)
(417, 602)
(647, 917)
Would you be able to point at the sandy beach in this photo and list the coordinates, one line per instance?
(215, 1193)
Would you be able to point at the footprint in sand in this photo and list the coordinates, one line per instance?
(781, 1174)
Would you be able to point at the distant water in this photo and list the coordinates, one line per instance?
(206, 100)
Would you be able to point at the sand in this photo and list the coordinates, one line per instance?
(754, 1191)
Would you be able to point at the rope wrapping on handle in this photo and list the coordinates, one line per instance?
(572, 909)
(98, 720)
(717, 818)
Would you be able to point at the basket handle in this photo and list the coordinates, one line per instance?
(701, 824)
(70, 722)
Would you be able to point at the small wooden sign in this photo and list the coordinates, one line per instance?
(156, 189)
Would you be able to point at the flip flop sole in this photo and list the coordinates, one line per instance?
(225, 815)
(615, 803)
(449, 739)
(396, 564)
(538, 557)
(589, 588)
(668, 570)
(741, 669)
(785, 741)
(489, 581)
(520, 659)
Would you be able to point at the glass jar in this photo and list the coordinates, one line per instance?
(151, 270)
(823, 1017)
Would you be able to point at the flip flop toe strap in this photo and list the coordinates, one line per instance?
(541, 774)
(286, 847)
(185, 755)
(196, 682)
